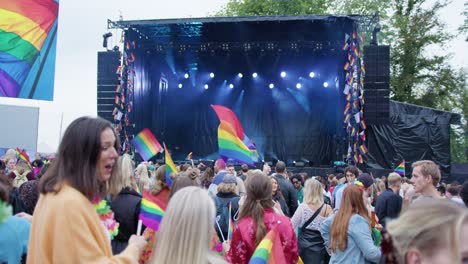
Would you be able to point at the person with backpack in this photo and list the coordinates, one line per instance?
(226, 194)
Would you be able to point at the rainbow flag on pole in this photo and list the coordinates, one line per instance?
(231, 223)
(401, 169)
(22, 155)
(146, 144)
(231, 136)
(189, 156)
(170, 166)
(269, 251)
(27, 30)
(152, 211)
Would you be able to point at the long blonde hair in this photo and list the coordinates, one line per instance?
(123, 176)
(428, 225)
(187, 229)
(143, 177)
(313, 192)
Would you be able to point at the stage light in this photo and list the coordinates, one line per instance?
(325, 84)
(240, 75)
(212, 75)
(180, 85)
(271, 86)
(206, 86)
(312, 74)
(283, 74)
(298, 85)
(186, 76)
(231, 86)
(254, 75)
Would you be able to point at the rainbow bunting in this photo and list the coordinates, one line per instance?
(127, 45)
(146, 144)
(345, 46)
(363, 149)
(363, 124)
(352, 62)
(363, 135)
(401, 169)
(354, 35)
(360, 159)
(22, 155)
(269, 250)
(356, 52)
(152, 211)
(118, 89)
(170, 166)
(347, 118)
(231, 224)
(346, 66)
(363, 69)
(361, 38)
(25, 26)
(116, 100)
(348, 97)
(189, 156)
(346, 110)
(231, 136)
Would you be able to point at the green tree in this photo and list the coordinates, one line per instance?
(274, 7)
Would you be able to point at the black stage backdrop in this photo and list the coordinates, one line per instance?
(285, 123)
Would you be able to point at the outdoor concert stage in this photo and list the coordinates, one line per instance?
(284, 77)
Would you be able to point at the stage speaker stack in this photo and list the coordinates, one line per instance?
(107, 81)
(377, 85)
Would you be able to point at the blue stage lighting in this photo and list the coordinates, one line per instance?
(180, 85)
(312, 74)
(325, 84)
(206, 86)
(212, 75)
(283, 74)
(271, 86)
(231, 86)
(240, 75)
(186, 76)
(298, 85)
(254, 75)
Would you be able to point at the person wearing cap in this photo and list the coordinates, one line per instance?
(367, 181)
(226, 194)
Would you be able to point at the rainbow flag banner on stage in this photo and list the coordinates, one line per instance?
(232, 141)
(152, 211)
(401, 169)
(146, 144)
(170, 166)
(28, 30)
(269, 251)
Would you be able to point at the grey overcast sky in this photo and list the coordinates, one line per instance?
(81, 25)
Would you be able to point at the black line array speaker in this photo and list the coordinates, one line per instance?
(107, 81)
(377, 85)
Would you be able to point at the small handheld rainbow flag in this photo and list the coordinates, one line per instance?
(152, 211)
(401, 169)
(170, 166)
(22, 155)
(269, 250)
(189, 156)
(146, 144)
(231, 223)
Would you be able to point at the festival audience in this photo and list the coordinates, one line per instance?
(244, 170)
(351, 173)
(256, 218)
(278, 196)
(142, 177)
(29, 192)
(66, 227)
(14, 231)
(453, 193)
(186, 230)
(388, 205)
(340, 177)
(308, 218)
(464, 193)
(126, 203)
(425, 178)
(226, 194)
(428, 231)
(347, 234)
(296, 180)
(286, 187)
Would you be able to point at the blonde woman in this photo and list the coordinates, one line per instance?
(429, 231)
(187, 229)
(311, 244)
(142, 177)
(126, 203)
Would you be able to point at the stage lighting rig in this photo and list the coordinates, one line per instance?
(104, 40)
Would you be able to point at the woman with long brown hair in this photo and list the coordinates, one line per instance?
(347, 234)
(256, 218)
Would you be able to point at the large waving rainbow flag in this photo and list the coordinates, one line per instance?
(146, 144)
(170, 166)
(270, 250)
(151, 211)
(232, 141)
(27, 48)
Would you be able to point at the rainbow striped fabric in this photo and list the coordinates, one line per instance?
(170, 166)
(146, 144)
(231, 223)
(269, 251)
(22, 155)
(232, 141)
(401, 169)
(152, 211)
(27, 30)
(189, 156)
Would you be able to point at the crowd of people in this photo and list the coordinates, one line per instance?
(83, 206)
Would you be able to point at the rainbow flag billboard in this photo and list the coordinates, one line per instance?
(28, 38)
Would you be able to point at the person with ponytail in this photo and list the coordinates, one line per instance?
(256, 218)
(347, 234)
